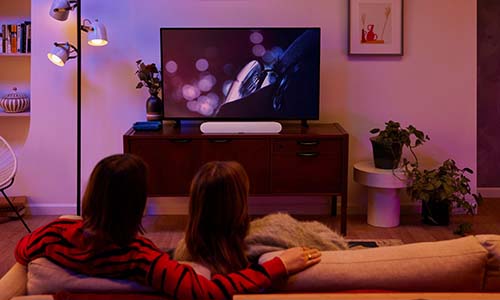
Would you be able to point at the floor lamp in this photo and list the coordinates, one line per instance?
(62, 52)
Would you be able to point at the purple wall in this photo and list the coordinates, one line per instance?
(488, 93)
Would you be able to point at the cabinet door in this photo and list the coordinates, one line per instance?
(252, 154)
(306, 166)
(172, 164)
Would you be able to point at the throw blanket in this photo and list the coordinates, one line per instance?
(278, 232)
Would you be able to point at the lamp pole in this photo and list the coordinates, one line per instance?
(78, 105)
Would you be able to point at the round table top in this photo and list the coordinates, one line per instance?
(365, 173)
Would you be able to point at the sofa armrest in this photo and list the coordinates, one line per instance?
(457, 265)
(13, 283)
(491, 242)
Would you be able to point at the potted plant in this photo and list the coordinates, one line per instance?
(149, 76)
(388, 144)
(440, 190)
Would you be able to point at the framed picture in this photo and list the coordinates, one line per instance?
(375, 27)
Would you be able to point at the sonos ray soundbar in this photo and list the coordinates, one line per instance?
(240, 127)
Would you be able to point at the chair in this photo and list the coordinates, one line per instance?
(8, 168)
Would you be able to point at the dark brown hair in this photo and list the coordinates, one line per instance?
(218, 217)
(115, 198)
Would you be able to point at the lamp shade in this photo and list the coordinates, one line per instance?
(59, 54)
(97, 35)
(60, 9)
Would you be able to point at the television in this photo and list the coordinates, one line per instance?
(240, 73)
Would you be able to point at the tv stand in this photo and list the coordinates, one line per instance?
(298, 161)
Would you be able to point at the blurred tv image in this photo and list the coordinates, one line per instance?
(240, 73)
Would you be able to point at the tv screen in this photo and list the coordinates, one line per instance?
(240, 73)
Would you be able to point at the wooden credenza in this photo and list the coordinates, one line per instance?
(297, 161)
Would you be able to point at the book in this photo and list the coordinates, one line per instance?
(5, 39)
(147, 126)
(13, 38)
(28, 36)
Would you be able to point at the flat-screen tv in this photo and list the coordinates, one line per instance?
(240, 73)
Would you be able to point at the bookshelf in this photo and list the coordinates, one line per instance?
(15, 54)
(19, 69)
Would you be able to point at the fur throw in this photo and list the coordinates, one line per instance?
(280, 231)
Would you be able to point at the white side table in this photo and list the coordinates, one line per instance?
(383, 197)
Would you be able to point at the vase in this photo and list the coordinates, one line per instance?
(436, 213)
(386, 156)
(154, 108)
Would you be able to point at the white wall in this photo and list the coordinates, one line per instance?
(433, 86)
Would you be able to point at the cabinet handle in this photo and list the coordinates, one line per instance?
(220, 141)
(307, 154)
(308, 143)
(181, 141)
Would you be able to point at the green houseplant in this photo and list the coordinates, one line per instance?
(440, 190)
(388, 143)
(149, 76)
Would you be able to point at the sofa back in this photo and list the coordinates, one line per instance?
(457, 265)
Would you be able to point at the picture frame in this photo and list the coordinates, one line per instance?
(375, 27)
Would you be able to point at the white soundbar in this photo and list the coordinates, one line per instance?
(240, 127)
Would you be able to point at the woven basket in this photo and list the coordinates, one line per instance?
(14, 102)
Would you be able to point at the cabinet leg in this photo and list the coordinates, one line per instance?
(334, 206)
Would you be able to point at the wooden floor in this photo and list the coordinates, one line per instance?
(165, 231)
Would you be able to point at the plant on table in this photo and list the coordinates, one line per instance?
(388, 143)
(149, 76)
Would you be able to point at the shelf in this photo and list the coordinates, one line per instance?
(14, 115)
(15, 54)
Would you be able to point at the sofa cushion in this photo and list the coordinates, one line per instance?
(453, 265)
(45, 277)
(491, 243)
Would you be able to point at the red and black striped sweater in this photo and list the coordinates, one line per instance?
(64, 242)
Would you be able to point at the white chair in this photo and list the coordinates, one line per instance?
(8, 168)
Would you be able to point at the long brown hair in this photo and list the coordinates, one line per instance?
(218, 216)
(115, 198)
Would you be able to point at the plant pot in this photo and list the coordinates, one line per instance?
(385, 156)
(436, 213)
(154, 108)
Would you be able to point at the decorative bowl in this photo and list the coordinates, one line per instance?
(14, 102)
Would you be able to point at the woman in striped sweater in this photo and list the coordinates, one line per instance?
(108, 243)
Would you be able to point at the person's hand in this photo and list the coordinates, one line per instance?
(299, 258)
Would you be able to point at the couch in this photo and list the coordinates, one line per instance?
(466, 265)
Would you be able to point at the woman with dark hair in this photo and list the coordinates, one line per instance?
(107, 243)
(219, 234)
(218, 217)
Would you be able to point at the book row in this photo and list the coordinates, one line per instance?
(16, 38)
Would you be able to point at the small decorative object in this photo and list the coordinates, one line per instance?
(147, 126)
(388, 144)
(14, 102)
(149, 76)
(440, 190)
(375, 27)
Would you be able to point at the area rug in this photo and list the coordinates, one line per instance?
(367, 243)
